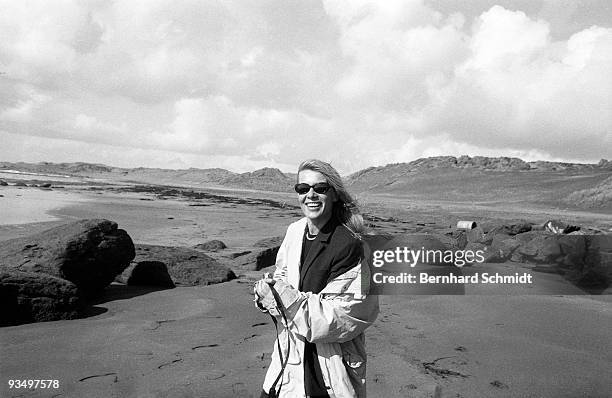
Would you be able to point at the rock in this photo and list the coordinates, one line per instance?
(3, 183)
(436, 244)
(239, 253)
(258, 258)
(475, 246)
(486, 252)
(504, 246)
(45, 185)
(269, 242)
(262, 255)
(20, 184)
(150, 273)
(542, 249)
(186, 266)
(211, 246)
(597, 270)
(488, 225)
(36, 297)
(266, 258)
(88, 253)
(512, 229)
(474, 235)
(573, 248)
(528, 236)
(461, 240)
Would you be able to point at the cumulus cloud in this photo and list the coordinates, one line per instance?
(358, 83)
(518, 89)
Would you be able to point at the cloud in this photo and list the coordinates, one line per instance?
(524, 91)
(505, 88)
(358, 83)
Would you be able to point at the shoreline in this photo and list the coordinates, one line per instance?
(24, 205)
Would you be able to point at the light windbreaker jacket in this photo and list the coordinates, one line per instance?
(334, 319)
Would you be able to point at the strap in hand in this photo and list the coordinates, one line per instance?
(279, 304)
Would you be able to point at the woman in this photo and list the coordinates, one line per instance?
(320, 300)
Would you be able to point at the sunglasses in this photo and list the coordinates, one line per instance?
(320, 188)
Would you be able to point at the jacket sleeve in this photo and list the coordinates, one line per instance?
(280, 273)
(339, 313)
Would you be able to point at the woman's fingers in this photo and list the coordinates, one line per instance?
(262, 288)
(267, 277)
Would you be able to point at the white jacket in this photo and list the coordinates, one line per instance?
(334, 319)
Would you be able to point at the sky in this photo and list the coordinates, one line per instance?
(243, 85)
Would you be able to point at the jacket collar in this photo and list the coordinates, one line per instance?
(328, 229)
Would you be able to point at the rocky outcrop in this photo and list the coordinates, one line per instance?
(420, 243)
(269, 242)
(88, 253)
(585, 259)
(475, 163)
(186, 266)
(262, 255)
(510, 229)
(211, 246)
(150, 273)
(35, 297)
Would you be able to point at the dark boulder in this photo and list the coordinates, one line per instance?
(150, 273)
(574, 249)
(88, 253)
(597, 269)
(510, 229)
(3, 183)
(274, 241)
(542, 248)
(432, 248)
(501, 248)
(460, 239)
(258, 258)
(584, 259)
(261, 255)
(36, 297)
(474, 235)
(211, 246)
(186, 266)
(266, 257)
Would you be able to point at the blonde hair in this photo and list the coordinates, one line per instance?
(345, 209)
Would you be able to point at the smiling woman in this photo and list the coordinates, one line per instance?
(317, 294)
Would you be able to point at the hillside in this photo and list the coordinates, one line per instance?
(442, 178)
(481, 179)
(266, 179)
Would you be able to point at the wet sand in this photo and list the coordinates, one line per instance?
(27, 205)
(211, 342)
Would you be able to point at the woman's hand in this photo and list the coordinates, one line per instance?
(262, 286)
(264, 299)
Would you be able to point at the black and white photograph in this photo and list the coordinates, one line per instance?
(306, 198)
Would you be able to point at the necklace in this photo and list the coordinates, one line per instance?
(310, 237)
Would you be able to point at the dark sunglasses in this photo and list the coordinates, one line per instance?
(320, 188)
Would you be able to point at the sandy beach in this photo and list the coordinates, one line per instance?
(23, 206)
(209, 341)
